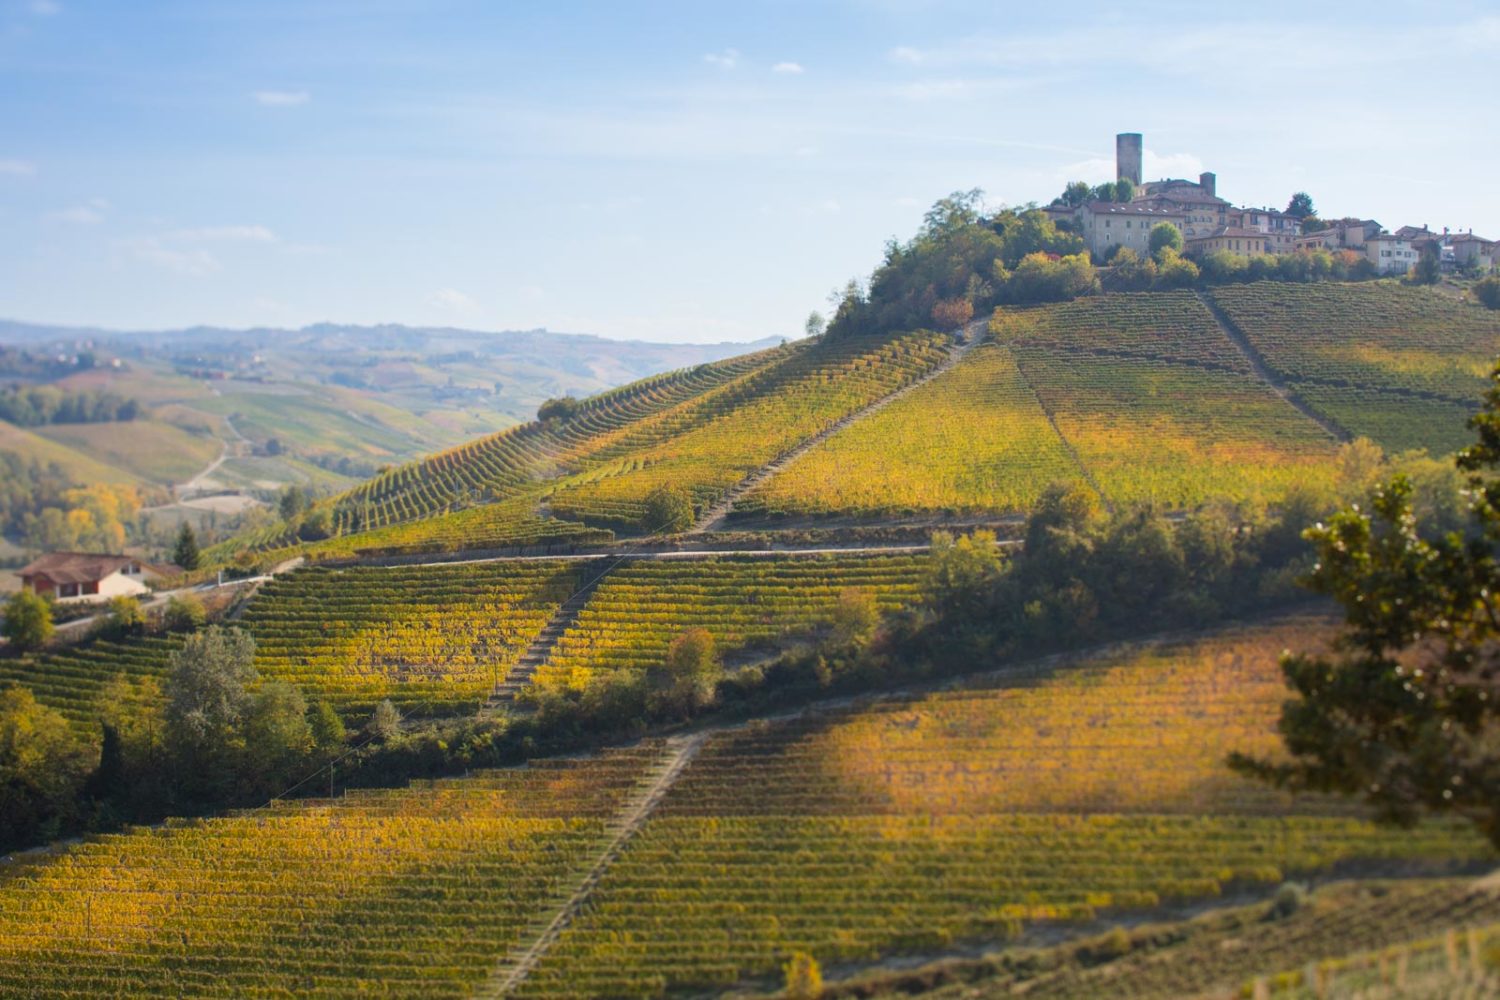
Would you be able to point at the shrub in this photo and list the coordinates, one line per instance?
(126, 616)
(1290, 898)
(385, 721)
(1486, 291)
(669, 509)
(689, 674)
(185, 613)
(559, 408)
(804, 977)
(28, 621)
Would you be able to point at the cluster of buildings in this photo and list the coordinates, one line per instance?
(1210, 223)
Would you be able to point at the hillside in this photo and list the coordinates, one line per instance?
(1037, 799)
(1170, 398)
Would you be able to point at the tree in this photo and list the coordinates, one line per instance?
(689, 674)
(1301, 206)
(1124, 190)
(207, 690)
(385, 721)
(560, 408)
(42, 766)
(184, 613)
(126, 616)
(1174, 270)
(855, 615)
(274, 447)
(669, 509)
(1165, 236)
(1486, 292)
(28, 621)
(959, 568)
(1404, 714)
(328, 732)
(1075, 194)
(815, 324)
(293, 501)
(950, 314)
(317, 525)
(185, 550)
(804, 977)
(1429, 267)
(276, 732)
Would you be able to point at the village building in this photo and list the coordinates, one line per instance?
(1281, 230)
(1105, 225)
(1391, 254)
(1470, 251)
(82, 577)
(1237, 240)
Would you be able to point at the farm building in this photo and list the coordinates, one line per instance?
(83, 576)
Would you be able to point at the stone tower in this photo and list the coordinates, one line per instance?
(1128, 157)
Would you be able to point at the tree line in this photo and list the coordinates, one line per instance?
(40, 405)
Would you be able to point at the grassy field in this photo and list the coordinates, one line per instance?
(149, 449)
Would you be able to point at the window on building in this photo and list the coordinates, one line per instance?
(68, 590)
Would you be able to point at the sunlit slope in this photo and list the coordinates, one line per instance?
(974, 439)
(920, 821)
(434, 640)
(1404, 366)
(401, 893)
(753, 606)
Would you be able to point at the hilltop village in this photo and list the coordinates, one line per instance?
(1112, 216)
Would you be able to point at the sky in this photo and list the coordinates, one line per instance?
(698, 171)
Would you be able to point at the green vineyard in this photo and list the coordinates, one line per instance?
(974, 439)
(751, 605)
(1402, 366)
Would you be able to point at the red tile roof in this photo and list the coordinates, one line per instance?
(85, 567)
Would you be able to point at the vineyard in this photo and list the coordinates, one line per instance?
(71, 679)
(750, 604)
(972, 439)
(1176, 435)
(1393, 358)
(381, 893)
(432, 639)
(1225, 953)
(732, 435)
(920, 822)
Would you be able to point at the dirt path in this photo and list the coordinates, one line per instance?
(1263, 370)
(714, 516)
(515, 967)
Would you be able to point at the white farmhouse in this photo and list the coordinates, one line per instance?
(82, 577)
(1390, 253)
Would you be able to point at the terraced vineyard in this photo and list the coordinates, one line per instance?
(1397, 364)
(513, 461)
(722, 439)
(750, 604)
(432, 639)
(1176, 435)
(381, 893)
(1224, 953)
(71, 679)
(922, 821)
(1170, 326)
(973, 439)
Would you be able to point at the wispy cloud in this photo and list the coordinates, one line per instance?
(788, 68)
(44, 8)
(1154, 165)
(193, 262)
(281, 98)
(727, 59)
(453, 300)
(17, 168)
(223, 234)
(90, 214)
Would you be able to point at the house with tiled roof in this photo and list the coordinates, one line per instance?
(1237, 240)
(81, 577)
(1105, 225)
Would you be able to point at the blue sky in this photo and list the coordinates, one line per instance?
(670, 171)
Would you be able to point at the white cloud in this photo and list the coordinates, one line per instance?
(1154, 166)
(728, 59)
(935, 90)
(45, 8)
(194, 263)
(907, 56)
(281, 98)
(453, 300)
(80, 215)
(17, 168)
(224, 234)
(788, 68)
